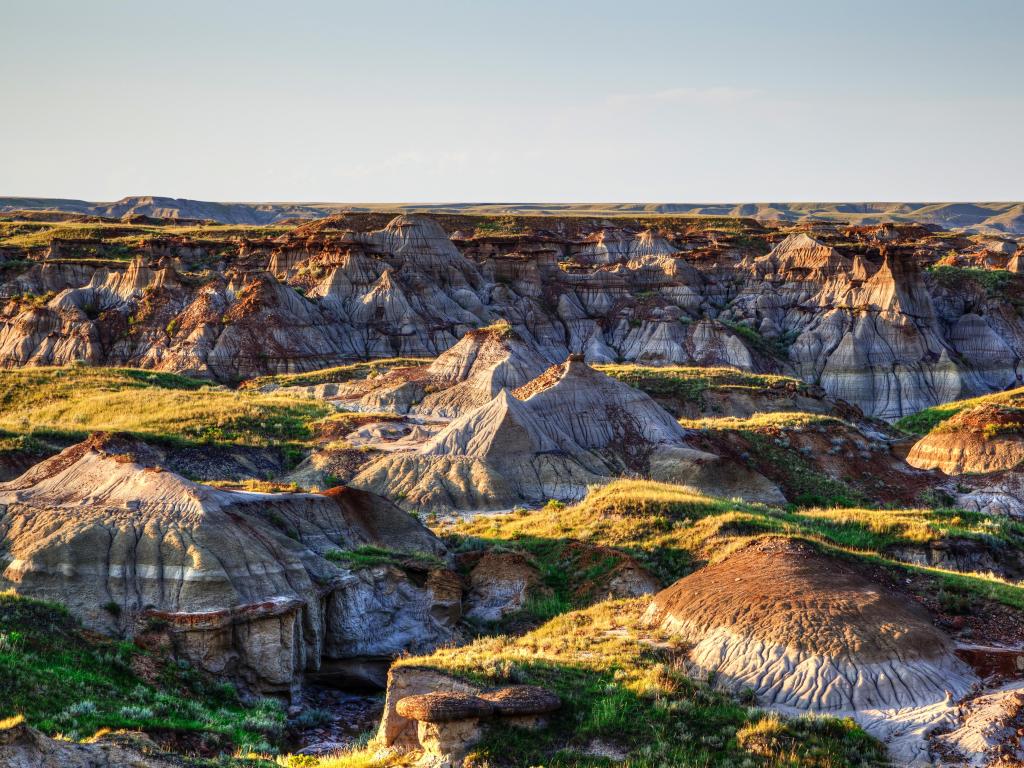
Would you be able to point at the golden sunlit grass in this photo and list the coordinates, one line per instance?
(620, 685)
(336, 375)
(763, 420)
(671, 529)
(623, 684)
(35, 234)
(925, 421)
(75, 401)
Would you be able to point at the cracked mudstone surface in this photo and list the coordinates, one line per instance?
(806, 632)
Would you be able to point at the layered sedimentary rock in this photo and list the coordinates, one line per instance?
(851, 310)
(551, 438)
(247, 585)
(467, 376)
(985, 438)
(807, 632)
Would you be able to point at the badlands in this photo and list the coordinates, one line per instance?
(380, 488)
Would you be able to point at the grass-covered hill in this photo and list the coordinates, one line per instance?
(72, 683)
(979, 216)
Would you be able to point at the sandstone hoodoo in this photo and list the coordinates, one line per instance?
(449, 722)
(257, 587)
(807, 632)
(551, 438)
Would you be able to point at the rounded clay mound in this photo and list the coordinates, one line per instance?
(986, 438)
(806, 630)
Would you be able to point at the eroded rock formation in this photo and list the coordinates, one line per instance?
(853, 311)
(985, 438)
(252, 586)
(551, 438)
(807, 632)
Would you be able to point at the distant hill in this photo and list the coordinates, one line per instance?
(1007, 217)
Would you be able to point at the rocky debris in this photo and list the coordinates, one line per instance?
(553, 437)
(499, 584)
(997, 494)
(245, 585)
(985, 438)
(991, 733)
(448, 723)
(22, 746)
(806, 632)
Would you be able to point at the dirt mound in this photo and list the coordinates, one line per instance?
(986, 438)
(808, 631)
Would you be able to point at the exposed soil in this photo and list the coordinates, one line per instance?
(788, 593)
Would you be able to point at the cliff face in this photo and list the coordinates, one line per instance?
(252, 586)
(877, 316)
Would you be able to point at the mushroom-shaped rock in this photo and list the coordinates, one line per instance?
(516, 700)
(444, 707)
(448, 724)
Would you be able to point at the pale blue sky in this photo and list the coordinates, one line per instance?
(513, 101)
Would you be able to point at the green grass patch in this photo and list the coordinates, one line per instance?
(687, 384)
(923, 422)
(65, 681)
(993, 281)
(336, 375)
(76, 400)
(671, 530)
(619, 689)
(370, 557)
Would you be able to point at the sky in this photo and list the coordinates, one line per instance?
(513, 100)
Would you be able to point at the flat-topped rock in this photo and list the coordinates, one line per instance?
(444, 707)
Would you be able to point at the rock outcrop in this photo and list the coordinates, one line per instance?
(467, 376)
(856, 312)
(448, 724)
(248, 585)
(985, 438)
(807, 632)
(22, 746)
(553, 437)
(441, 717)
